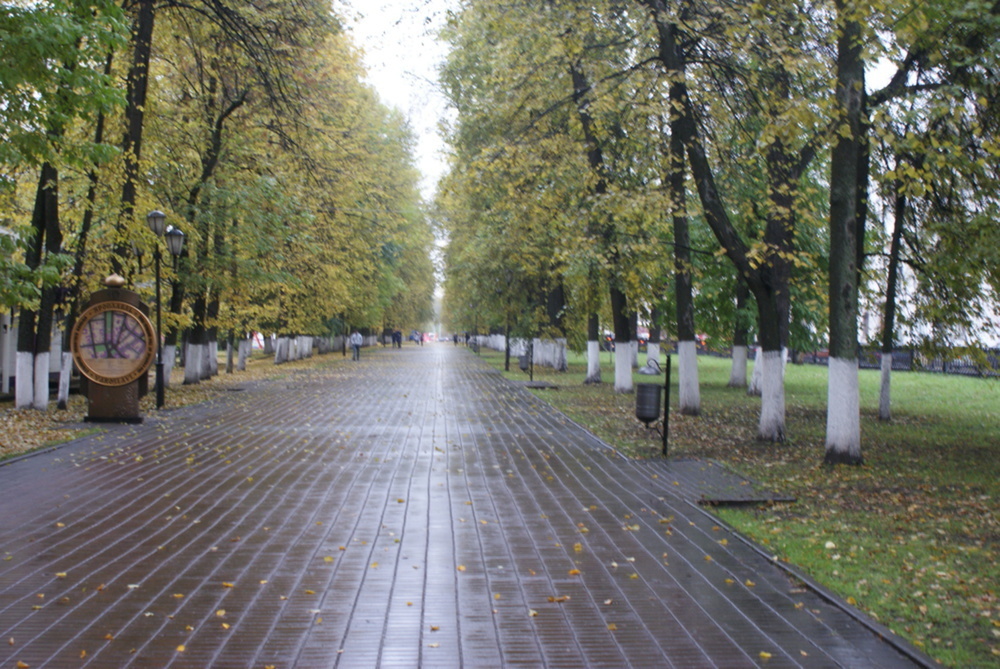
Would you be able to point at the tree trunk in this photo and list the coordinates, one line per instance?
(759, 279)
(93, 179)
(34, 334)
(194, 361)
(843, 422)
(593, 350)
(196, 351)
(772, 412)
(623, 342)
(687, 348)
(756, 386)
(738, 372)
(653, 344)
(889, 316)
(244, 353)
(137, 85)
(169, 360)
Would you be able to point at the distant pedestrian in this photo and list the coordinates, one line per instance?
(356, 341)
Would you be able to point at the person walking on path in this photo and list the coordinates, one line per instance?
(356, 341)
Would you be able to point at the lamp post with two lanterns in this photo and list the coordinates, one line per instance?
(157, 222)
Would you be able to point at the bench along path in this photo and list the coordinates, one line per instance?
(411, 509)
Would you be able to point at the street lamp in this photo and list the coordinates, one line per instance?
(157, 222)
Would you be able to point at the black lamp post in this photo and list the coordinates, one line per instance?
(175, 243)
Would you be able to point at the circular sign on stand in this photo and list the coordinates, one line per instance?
(113, 343)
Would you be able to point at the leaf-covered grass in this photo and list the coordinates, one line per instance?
(26, 430)
(911, 537)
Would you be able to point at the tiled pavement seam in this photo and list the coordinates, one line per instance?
(413, 509)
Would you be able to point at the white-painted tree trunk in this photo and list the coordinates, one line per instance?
(843, 412)
(8, 343)
(757, 376)
(169, 360)
(65, 374)
(24, 387)
(243, 352)
(690, 396)
(884, 395)
(623, 367)
(593, 362)
(538, 352)
(41, 400)
(772, 405)
(634, 352)
(212, 358)
(560, 364)
(738, 373)
(230, 356)
(281, 350)
(653, 353)
(194, 359)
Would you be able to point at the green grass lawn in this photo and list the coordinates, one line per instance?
(910, 537)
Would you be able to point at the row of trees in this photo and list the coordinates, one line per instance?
(725, 162)
(249, 124)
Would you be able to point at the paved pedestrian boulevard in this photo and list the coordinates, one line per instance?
(413, 509)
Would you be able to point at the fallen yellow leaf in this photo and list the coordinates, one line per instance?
(83, 654)
(61, 574)
(461, 567)
(612, 627)
(574, 572)
(23, 665)
(532, 613)
(226, 585)
(328, 558)
(220, 613)
(310, 592)
(435, 628)
(180, 649)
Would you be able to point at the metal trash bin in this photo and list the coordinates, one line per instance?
(522, 362)
(647, 402)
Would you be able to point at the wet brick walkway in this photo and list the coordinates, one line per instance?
(410, 510)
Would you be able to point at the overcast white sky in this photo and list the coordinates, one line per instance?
(401, 51)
